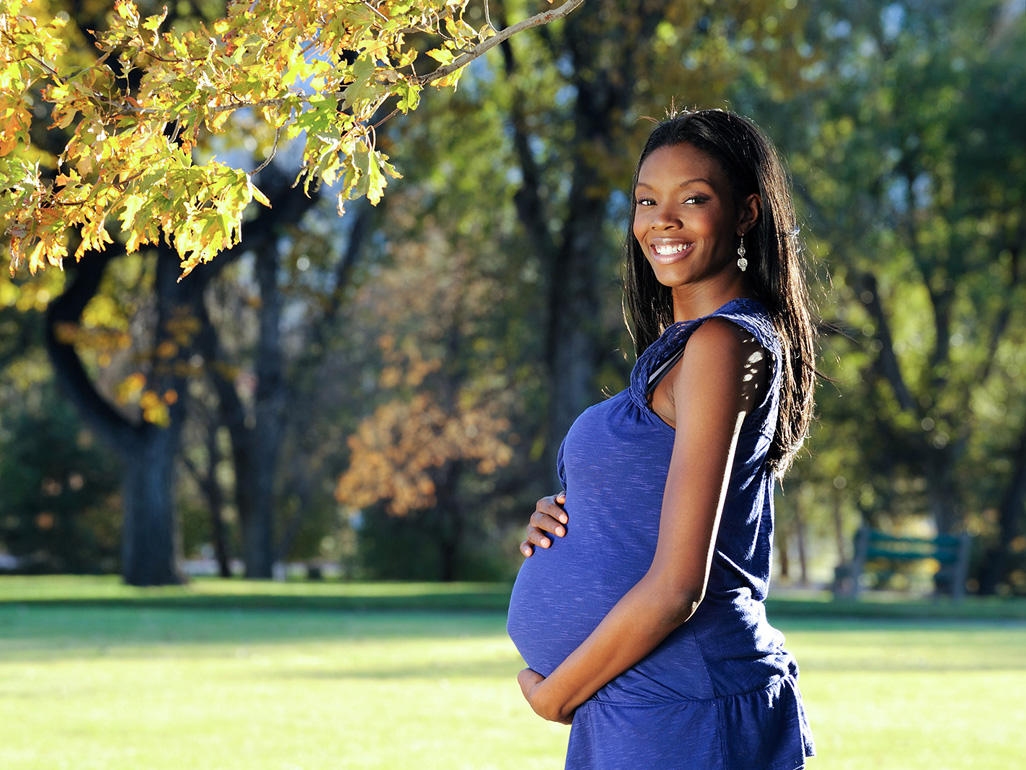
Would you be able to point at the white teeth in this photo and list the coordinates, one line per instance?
(668, 249)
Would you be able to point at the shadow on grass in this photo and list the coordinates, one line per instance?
(478, 669)
(891, 608)
(502, 669)
(332, 595)
(219, 595)
(55, 631)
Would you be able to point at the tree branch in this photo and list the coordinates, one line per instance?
(484, 46)
(1004, 316)
(124, 107)
(886, 360)
(69, 371)
(527, 199)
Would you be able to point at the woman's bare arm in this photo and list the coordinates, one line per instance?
(710, 399)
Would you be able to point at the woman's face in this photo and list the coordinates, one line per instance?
(685, 219)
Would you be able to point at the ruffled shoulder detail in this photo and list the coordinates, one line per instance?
(659, 357)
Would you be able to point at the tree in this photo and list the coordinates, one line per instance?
(444, 400)
(58, 489)
(530, 188)
(901, 151)
(148, 105)
(611, 66)
(138, 110)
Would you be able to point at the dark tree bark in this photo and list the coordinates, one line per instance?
(150, 542)
(842, 549)
(256, 438)
(801, 540)
(301, 478)
(997, 562)
(268, 421)
(256, 518)
(783, 551)
(450, 523)
(603, 77)
(206, 479)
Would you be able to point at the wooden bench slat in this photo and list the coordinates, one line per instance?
(906, 555)
(949, 541)
(951, 552)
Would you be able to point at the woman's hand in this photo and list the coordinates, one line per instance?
(548, 519)
(531, 685)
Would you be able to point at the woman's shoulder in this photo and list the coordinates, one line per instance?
(753, 316)
(717, 339)
(734, 330)
(731, 325)
(721, 347)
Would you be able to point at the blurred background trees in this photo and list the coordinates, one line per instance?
(385, 391)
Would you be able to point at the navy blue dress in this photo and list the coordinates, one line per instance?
(720, 692)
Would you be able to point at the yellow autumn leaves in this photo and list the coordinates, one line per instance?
(127, 150)
(396, 451)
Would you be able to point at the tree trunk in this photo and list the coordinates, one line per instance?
(256, 438)
(215, 498)
(450, 522)
(942, 490)
(998, 560)
(209, 485)
(800, 535)
(150, 544)
(220, 533)
(842, 551)
(604, 83)
(572, 347)
(269, 420)
(783, 552)
(232, 414)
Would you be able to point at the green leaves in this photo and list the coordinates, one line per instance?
(284, 60)
(368, 164)
(409, 96)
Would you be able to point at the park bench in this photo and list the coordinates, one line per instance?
(879, 552)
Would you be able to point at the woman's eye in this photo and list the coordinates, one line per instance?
(697, 199)
(643, 202)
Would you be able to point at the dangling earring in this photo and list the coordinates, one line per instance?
(742, 263)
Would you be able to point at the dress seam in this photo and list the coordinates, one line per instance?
(715, 699)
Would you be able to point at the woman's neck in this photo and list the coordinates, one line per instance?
(698, 300)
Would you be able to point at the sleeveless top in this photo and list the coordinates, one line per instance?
(720, 692)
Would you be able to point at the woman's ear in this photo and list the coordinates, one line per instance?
(748, 213)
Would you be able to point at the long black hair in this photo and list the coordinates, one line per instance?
(775, 273)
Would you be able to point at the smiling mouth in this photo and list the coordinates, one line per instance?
(669, 252)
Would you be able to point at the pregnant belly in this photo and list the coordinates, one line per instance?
(561, 594)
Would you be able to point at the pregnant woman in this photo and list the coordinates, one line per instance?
(641, 615)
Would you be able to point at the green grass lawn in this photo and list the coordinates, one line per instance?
(258, 676)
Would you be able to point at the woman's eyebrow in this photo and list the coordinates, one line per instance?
(685, 183)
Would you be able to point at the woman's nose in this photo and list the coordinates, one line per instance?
(666, 216)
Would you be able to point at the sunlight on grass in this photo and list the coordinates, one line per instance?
(913, 695)
(147, 688)
(125, 686)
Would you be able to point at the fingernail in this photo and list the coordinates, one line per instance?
(562, 518)
(560, 531)
(545, 543)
